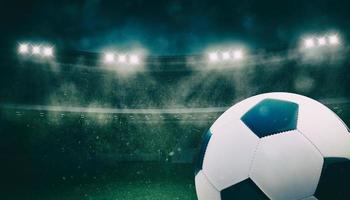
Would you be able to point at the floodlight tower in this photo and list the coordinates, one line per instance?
(238, 55)
(334, 39)
(47, 51)
(323, 41)
(108, 57)
(309, 42)
(228, 55)
(35, 50)
(121, 58)
(134, 59)
(23, 48)
(213, 56)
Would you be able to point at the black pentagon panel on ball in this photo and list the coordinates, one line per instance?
(246, 189)
(335, 179)
(199, 162)
(271, 116)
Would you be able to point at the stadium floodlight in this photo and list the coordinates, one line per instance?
(121, 58)
(333, 40)
(238, 55)
(213, 57)
(321, 41)
(47, 51)
(309, 42)
(36, 49)
(23, 49)
(109, 57)
(226, 55)
(134, 59)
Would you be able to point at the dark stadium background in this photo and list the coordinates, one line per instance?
(72, 128)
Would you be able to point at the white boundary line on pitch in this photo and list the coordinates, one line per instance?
(138, 111)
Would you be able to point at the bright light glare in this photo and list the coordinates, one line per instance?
(23, 48)
(309, 42)
(213, 56)
(226, 55)
(231, 55)
(238, 55)
(36, 50)
(48, 51)
(109, 57)
(321, 41)
(334, 40)
(134, 59)
(122, 58)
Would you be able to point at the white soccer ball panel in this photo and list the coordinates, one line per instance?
(286, 166)
(324, 129)
(205, 190)
(310, 198)
(229, 154)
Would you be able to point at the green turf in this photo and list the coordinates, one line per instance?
(117, 191)
(120, 181)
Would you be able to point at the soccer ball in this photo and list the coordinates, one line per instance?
(275, 146)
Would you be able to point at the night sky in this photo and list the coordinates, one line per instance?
(169, 27)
